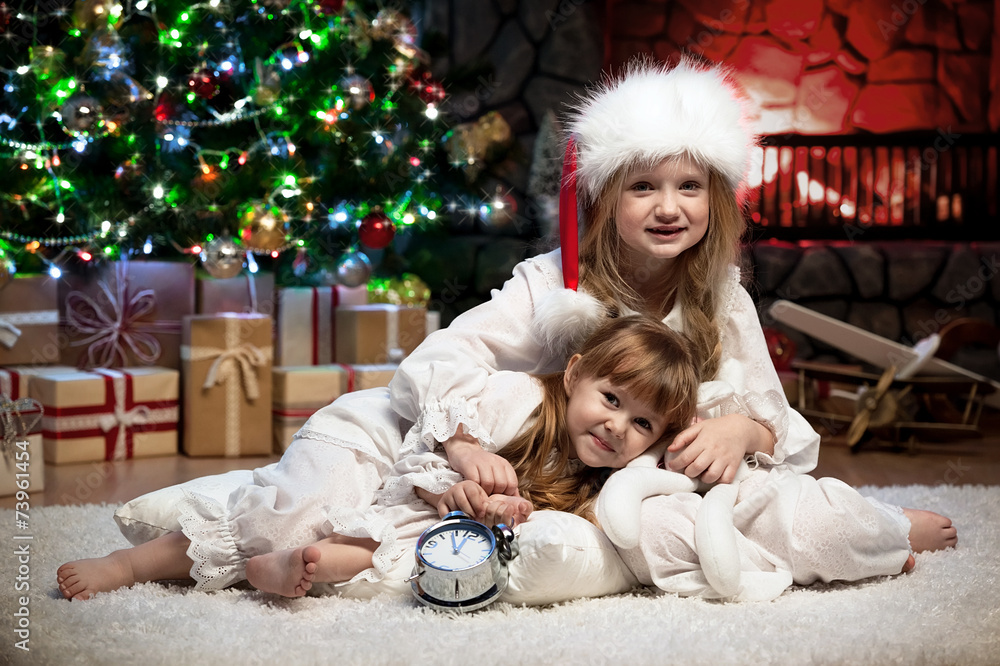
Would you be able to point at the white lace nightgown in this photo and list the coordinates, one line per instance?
(786, 518)
(327, 479)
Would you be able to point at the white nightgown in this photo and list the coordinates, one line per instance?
(326, 481)
(796, 512)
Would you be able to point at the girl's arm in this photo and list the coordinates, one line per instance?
(744, 411)
(434, 384)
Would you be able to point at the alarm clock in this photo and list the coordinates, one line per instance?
(461, 564)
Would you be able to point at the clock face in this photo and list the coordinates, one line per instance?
(457, 547)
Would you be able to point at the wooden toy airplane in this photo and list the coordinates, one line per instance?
(909, 369)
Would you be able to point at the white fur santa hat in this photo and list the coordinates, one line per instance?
(651, 112)
(655, 111)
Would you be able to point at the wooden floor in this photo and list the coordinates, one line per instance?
(962, 462)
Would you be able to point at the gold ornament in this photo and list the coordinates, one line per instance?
(263, 226)
(47, 61)
(471, 144)
(407, 289)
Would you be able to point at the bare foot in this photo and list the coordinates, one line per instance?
(289, 573)
(909, 564)
(930, 531)
(83, 579)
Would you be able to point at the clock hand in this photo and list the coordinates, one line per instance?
(454, 547)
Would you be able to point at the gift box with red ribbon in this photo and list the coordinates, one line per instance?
(108, 414)
(307, 322)
(14, 383)
(299, 391)
(227, 384)
(29, 320)
(245, 293)
(126, 313)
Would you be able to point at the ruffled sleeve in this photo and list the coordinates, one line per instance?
(435, 384)
(748, 384)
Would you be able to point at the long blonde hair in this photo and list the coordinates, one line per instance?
(638, 353)
(697, 277)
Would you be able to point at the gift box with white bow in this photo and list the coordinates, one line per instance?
(226, 369)
(22, 463)
(108, 414)
(125, 313)
(29, 320)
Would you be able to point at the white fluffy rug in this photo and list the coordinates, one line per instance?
(947, 611)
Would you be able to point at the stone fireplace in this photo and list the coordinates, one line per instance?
(875, 198)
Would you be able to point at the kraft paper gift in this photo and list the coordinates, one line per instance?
(299, 391)
(245, 293)
(227, 385)
(379, 333)
(108, 414)
(24, 469)
(29, 320)
(126, 313)
(307, 323)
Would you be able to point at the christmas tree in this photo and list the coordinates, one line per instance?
(298, 134)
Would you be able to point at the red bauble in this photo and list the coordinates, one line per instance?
(331, 7)
(781, 349)
(376, 230)
(204, 83)
(427, 89)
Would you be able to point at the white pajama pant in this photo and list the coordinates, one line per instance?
(813, 529)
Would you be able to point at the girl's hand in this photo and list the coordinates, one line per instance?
(466, 496)
(505, 509)
(713, 448)
(489, 470)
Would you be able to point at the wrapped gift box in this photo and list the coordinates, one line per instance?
(245, 293)
(126, 313)
(307, 323)
(108, 414)
(381, 333)
(29, 320)
(300, 391)
(227, 384)
(15, 379)
(24, 469)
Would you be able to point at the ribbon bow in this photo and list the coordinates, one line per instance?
(120, 418)
(239, 360)
(110, 331)
(11, 409)
(8, 334)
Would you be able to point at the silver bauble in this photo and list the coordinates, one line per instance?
(354, 269)
(81, 114)
(222, 258)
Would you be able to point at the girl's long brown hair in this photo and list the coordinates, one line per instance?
(639, 354)
(698, 277)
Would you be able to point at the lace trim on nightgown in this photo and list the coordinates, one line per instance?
(440, 421)
(401, 489)
(217, 561)
(368, 524)
(363, 446)
(894, 513)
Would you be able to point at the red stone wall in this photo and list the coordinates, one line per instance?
(835, 66)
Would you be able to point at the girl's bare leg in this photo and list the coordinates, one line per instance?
(292, 572)
(163, 558)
